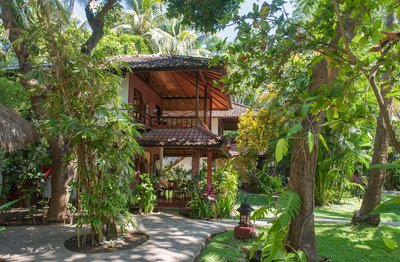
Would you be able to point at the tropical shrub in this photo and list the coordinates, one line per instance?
(81, 108)
(23, 169)
(3, 209)
(14, 95)
(202, 206)
(221, 201)
(144, 194)
(392, 178)
(389, 206)
(273, 244)
(224, 206)
(269, 184)
(345, 154)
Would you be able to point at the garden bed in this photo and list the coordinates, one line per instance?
(129, 241)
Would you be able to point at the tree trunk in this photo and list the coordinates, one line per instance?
(302, 176)
(376, 179)
(375, 182)
(303, 168)
(62, 173)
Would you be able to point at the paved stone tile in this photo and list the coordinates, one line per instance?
(172, 238)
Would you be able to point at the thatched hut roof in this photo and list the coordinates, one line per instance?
(15, 131)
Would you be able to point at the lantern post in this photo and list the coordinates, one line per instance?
(245, 229)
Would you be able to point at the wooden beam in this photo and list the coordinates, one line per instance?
(197, 98)
(196, 161)
(182, 97)
(211, 113)
(209, 169)
(204, 97)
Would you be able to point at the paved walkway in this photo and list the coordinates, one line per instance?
(172, 238)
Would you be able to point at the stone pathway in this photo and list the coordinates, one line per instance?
(172, 238)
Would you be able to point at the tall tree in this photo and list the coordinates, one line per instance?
(372, 196)
(14, 20)
(273, 52)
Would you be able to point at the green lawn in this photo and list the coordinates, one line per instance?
(343, 210)
(336, 242)
(255, 200)
(346, 209)
(224, 247)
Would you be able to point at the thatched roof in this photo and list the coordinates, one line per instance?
(15, 131)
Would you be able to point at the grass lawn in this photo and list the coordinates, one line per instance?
(224, 247)
(346, 209)
(343, 210)
(255, 200)
(336, 242)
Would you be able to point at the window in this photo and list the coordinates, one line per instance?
(138, 105)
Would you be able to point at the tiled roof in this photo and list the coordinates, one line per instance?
(161, 61)
(182, 137)
(234, 151)
(236, 111)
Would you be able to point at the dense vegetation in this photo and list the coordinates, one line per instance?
(321, 81)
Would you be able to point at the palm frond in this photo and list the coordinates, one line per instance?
(260, 213)
(289, 203)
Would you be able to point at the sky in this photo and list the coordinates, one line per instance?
(228, 32)
(246, 7)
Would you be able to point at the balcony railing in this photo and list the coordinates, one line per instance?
(174, 121)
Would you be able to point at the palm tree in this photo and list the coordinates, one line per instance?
(143, 15)
(168, 36)
(173, 38)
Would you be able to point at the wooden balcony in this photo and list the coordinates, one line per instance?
(173, 122)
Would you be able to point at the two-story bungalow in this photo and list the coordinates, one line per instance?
(155, 84)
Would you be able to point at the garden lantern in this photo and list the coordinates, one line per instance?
(245, 210)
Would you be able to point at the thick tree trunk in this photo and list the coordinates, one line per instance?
(302, 176)
(376, 179)
(61, 175)
(303, 168)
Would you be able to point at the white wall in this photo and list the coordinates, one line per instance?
(214, 125)
(185, 163)
(124, 91)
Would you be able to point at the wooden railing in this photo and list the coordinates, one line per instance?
(174, 122)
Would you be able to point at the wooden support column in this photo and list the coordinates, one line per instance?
(197, 98)
(161, 160)
(210, 126)
(205, 101)
(209, 169)
(208, 123)
(196, 161)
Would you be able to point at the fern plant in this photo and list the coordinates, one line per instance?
(272, 243)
